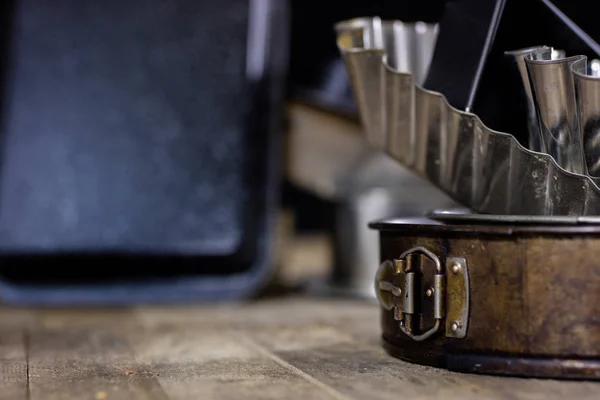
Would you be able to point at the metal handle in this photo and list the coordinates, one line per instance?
(396, 290)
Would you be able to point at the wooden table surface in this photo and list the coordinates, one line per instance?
(278, 348)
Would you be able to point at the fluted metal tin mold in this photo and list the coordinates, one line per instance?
(587, 94)
(484, 169)
(553, 92)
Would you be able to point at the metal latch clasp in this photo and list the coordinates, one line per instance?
(422, 293)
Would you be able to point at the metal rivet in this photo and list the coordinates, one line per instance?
(455, 326)
(455, 267)
(429, 292)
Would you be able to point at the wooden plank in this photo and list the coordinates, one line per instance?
(278, 312)
(366, 372)
(16, 318)
(281, 348)
(321, 148)
(214, 364)
(350, 363)
(13, 365)
(77, 363)
(111, 319)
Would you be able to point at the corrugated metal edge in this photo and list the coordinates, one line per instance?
(485, 169)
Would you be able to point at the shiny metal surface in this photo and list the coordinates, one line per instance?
(406, 47)
(587, 93)
(487, 170)
(449, 216)
(554, 98)
(533, 128)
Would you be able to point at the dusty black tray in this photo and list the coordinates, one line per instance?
(139, 148)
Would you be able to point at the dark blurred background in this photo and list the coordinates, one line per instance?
(148, 147)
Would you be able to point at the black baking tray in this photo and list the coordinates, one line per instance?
(139, 148)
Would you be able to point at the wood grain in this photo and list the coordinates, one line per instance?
(13, 364)
(217, 364)
(282, 348)
(76, 363)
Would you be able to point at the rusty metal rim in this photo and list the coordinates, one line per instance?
(476, 219)
(509, 365)
(521, 366)
(425, 226)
